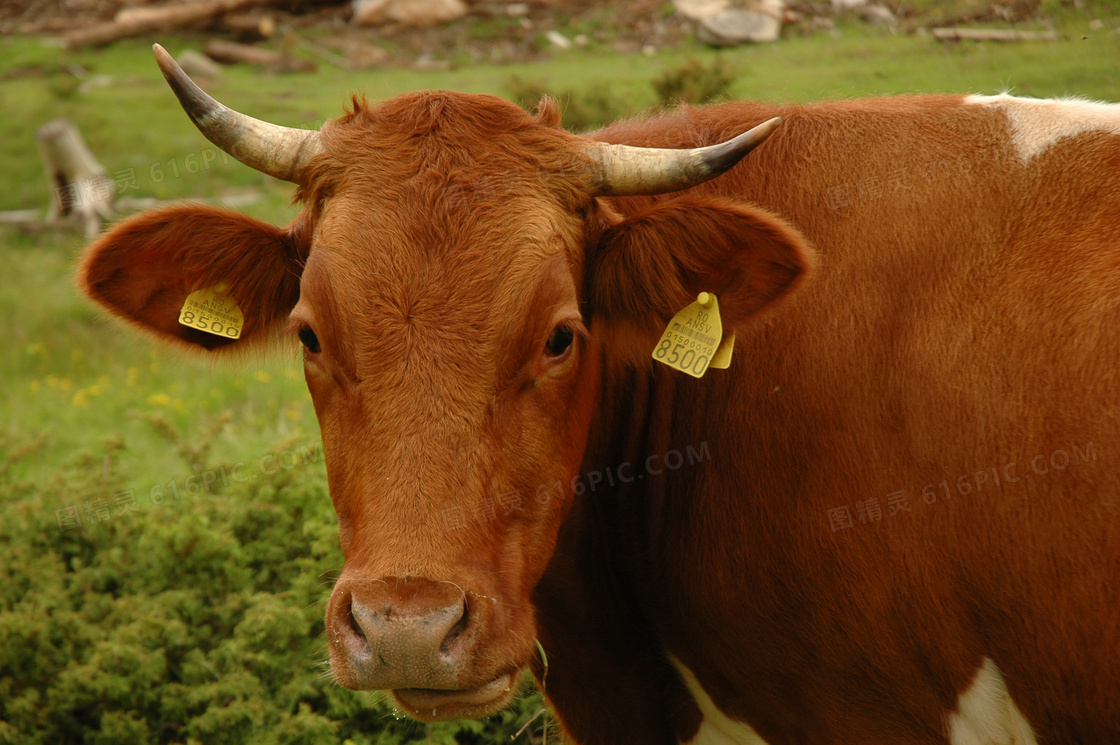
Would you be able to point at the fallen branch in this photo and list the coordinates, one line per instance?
(20, 217)
(230, 52)
(992, 34)
(138, 21)
(35, 220)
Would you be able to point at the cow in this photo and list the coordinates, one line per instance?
(893, 518)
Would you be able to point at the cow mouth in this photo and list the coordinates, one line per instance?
(434, 705)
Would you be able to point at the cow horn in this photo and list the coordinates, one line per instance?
(278, 151)
(628, 170)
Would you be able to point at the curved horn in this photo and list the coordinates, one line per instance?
(629, 170)
(278, 151)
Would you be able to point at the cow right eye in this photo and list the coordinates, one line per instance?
(310, 341)
(559, 342)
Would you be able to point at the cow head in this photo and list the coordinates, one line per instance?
(457, 282)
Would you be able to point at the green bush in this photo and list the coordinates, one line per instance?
(694, 82)
(596, 104)
(199, 620)
(589, 108)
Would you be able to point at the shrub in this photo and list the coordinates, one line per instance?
(195, 621)
(694, 82)
(590, 108)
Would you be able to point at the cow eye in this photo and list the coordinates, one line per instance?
(310, 341)
(559, 342)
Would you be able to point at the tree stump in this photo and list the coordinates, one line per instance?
(80, 189)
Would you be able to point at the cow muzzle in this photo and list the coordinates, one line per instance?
(419, 639)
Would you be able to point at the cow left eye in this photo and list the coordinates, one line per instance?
(310, 341)
(559, 342)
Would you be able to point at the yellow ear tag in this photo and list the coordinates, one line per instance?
(692, 338)
(721, 360)
(212, 311)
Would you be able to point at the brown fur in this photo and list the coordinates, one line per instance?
(144, 268)
(964, 320)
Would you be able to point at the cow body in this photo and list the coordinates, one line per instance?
(959, 330)
(894, 519)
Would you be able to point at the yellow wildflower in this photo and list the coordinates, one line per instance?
(159, 399)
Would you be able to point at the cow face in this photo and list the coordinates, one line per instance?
(457, 284)
(444, 348)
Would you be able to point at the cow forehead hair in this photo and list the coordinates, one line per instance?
(495, 145)
(434, 227)
(414, 286)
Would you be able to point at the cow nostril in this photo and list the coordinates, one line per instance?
(357, 627)
(457, 630)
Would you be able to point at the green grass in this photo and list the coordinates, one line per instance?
(201, 590)
(69, 373)
(135, 123)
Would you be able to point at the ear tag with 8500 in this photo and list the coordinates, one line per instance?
(691, 342)
(212, 311)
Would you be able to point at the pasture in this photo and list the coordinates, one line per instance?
(167, 542)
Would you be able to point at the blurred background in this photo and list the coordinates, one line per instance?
(167, 542)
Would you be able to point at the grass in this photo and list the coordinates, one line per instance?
(90, 411)
(134, 122)
(71, 380)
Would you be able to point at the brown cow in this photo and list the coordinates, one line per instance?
(894, 519)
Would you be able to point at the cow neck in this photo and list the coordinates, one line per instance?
(600, 556)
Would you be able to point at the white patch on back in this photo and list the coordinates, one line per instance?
(986, 715)
(1039, 123)
(716, 728)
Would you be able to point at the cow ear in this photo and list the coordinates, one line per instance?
(143, 269)
(654, 263)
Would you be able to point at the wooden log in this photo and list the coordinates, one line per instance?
(249, 26)
(992, 34)
(231, 53)
(138, 21)
(79, 184)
